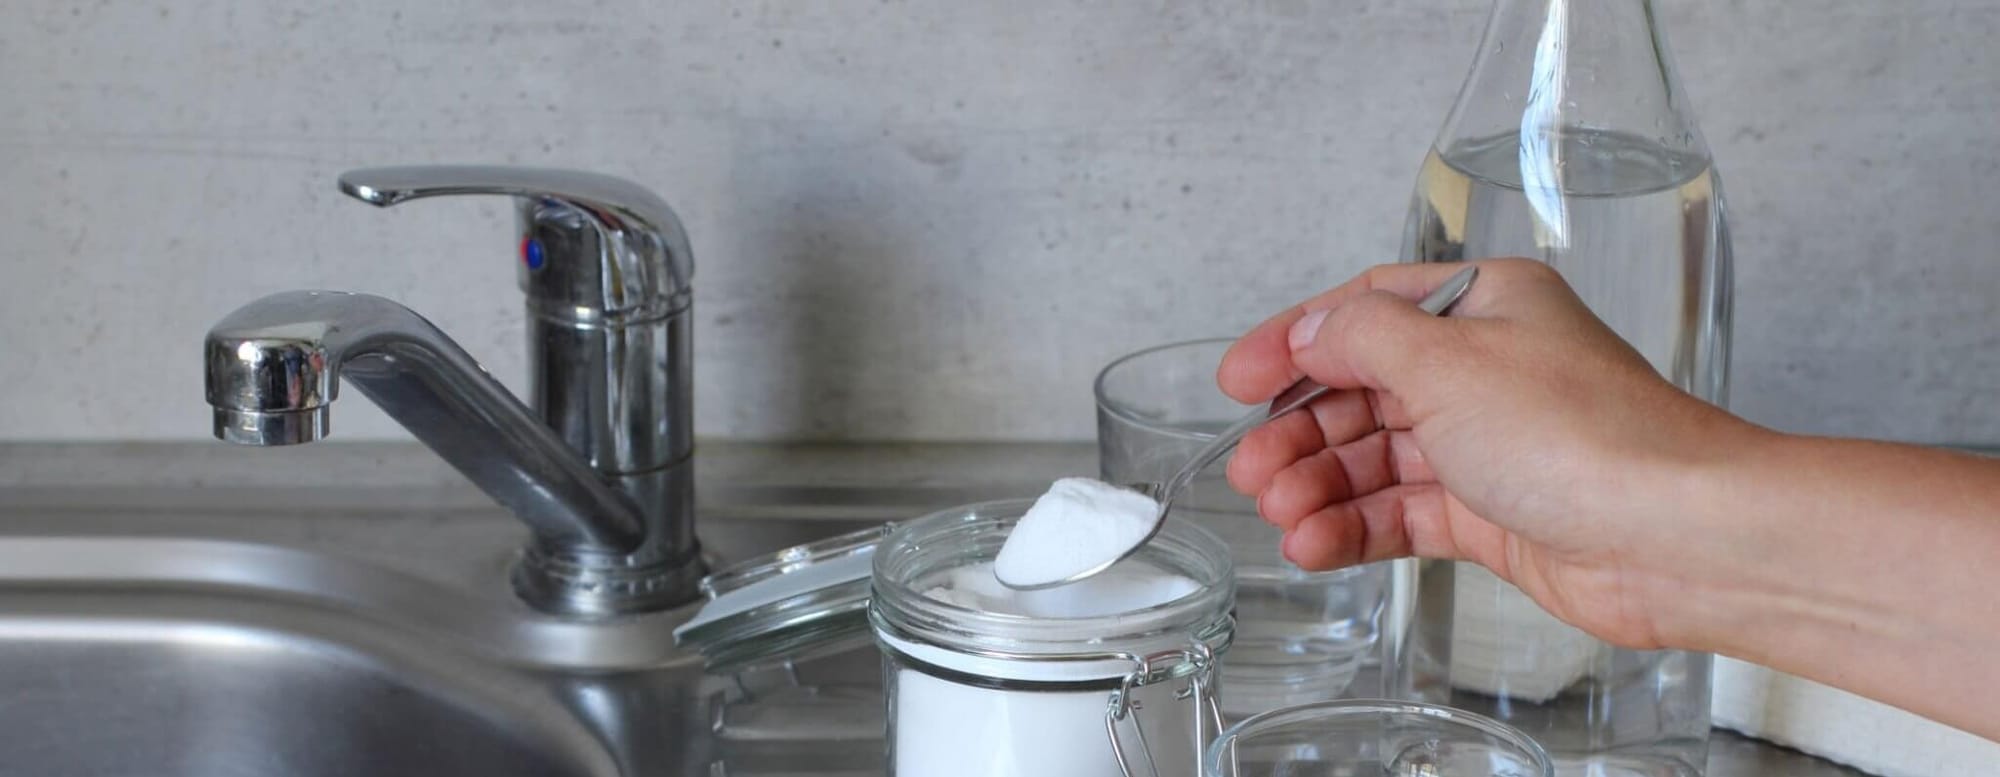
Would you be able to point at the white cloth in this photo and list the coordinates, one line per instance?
(1840, 726)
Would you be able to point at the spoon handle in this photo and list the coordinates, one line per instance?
(1298, 395)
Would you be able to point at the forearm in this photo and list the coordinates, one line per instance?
(1872, 567)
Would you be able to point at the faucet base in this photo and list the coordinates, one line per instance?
(665, 571)
(606, 585)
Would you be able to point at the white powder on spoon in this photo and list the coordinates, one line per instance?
(1120, 589)
(1079, 525)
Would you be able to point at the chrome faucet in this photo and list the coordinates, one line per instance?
(601, 469)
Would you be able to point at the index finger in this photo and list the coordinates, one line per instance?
(1259, 364)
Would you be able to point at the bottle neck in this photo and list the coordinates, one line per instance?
(1546, 69)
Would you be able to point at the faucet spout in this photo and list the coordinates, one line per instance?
(599, 462)
(274, 367)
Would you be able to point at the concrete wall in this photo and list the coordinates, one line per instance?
(936, 219)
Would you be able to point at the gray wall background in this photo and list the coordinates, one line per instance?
(935, 219)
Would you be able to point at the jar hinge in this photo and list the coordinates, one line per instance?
(1159, 667)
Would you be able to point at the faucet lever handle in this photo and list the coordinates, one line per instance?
(592, 246)
(607, 273)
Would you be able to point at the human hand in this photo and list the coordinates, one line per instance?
(1519, 433)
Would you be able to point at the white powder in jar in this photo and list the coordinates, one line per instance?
(958, 713)
(1129, 586)
(1079, 525)
(946, 728)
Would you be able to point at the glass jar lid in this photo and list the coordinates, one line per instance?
(804, 600)
(936, 601)
(814, 599)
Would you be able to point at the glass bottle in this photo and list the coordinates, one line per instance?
(1572, 143)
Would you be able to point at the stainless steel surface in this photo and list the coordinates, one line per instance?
(607, 302)
(1296, 396)
(170, 609)
(1733, 755)
(172, 644)
(606, 269)
(283, 356)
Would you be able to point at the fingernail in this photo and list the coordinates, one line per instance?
(1285, 546)
(1305, 329)
(1262, 513)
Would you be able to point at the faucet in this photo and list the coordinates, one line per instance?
(601, 468)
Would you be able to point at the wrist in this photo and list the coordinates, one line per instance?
(1719, 550)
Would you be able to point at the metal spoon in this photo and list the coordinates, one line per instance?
(1297, 396)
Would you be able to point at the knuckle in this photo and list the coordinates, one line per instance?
(1380, 271)
(1524, 269)
(1365, 317)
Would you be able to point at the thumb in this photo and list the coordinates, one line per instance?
(1375, 340)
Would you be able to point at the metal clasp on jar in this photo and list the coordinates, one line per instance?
(1196, 663)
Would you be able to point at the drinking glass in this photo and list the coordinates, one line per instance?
(1300, 636)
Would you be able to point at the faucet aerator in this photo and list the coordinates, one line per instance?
(264, 428)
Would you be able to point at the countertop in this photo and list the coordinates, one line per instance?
(861, 479)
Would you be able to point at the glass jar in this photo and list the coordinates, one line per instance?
(1108, 677)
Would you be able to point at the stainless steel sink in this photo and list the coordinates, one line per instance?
(172, 610)
(243, 617)
(163, 655)
(111, 682)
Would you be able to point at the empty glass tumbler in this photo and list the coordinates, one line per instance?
(1370, 738)
(1300, 636)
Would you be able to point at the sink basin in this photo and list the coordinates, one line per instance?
(106, 682)
(149, 636)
